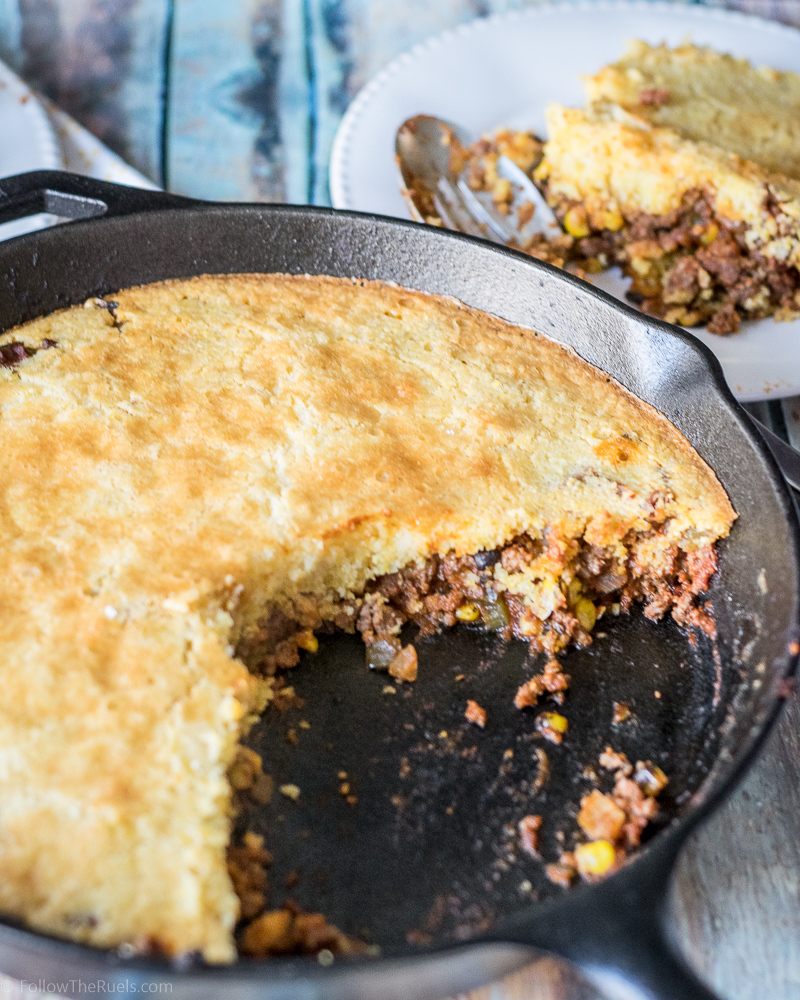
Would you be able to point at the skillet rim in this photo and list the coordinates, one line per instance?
(669, 841)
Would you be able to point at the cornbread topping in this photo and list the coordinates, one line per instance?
(706, 236)
(202, 473)
(684, 170)
(703, 95)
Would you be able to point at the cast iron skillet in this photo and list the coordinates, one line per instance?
(433, 851)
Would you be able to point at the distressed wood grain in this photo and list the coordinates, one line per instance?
(101, 61)
(11, 50)
(330, 65)
(142, 87)
(212, 128)
(737, 892)
(242, 102)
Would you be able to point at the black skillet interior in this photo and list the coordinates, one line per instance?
(429, 846)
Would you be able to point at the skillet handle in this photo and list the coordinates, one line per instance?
(617, 935)
(73, 196)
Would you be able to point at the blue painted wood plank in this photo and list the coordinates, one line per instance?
(329, 34)
(212, 130)
(295, 114)
(263, 97)
(11, 34)
(380, 30)
(142, 85)
(100, 62)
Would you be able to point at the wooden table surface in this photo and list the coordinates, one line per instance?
(240, 100)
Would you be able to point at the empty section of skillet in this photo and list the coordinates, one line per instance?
(429, 852)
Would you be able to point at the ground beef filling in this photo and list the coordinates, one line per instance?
(689, 267)
(475, 589)
(472, 589)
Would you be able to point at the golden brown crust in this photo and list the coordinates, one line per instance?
(286, 434)
(706, 95)
(614, 162)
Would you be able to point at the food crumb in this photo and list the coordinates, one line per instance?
(291, 931)
(525, 213)
(417, 937)
(262, 788)
(247, 867)
(560, 874)
(291, 792)
(443, 734)
(528, 828)
(542, 770)
(245, 769)
(475, 714)
(657, 694)
(459, 677)
(650, 778)
(600, 817)
(551, 681)
(622, 712)
(342, 775)
(388, 689)
(404, 665)
(552, 726)
(613, 761)
(304, 724)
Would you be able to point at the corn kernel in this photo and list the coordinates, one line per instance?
(610, 219)
(467, 613)
(490, 169)
(307, 641)
(710, 234)
(593, 265)
(576, 222)
(641, 265)
(586, 613)
(574, 591)
(650, 778)
(596, 858)
(501, 190)
(269, 933)
(555, 721)
(542, 172)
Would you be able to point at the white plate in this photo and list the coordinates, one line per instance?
(503, 70)
(28, 141)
